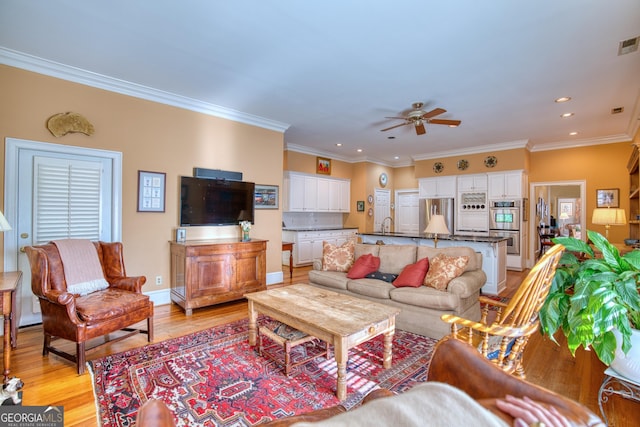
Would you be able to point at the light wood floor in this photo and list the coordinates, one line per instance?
(53, 381)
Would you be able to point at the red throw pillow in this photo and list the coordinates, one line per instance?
(413, 274)
(364, 265)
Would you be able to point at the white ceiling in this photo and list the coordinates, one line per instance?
(328, 72)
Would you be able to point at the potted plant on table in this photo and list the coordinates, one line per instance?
(595, 301)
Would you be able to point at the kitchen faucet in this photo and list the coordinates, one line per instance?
(382, 224)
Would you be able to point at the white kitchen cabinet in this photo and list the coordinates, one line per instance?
(323, 199)
(309, 193)
(345, 196)
(472, 183)
(438, 187)
(506, 185)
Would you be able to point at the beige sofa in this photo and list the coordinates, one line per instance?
(421, 307)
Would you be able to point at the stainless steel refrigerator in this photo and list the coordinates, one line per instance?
(444, 207)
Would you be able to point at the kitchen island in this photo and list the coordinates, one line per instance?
(493, 250)
(307, 241)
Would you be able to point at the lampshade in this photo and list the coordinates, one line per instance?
(4, 224)
(609, 216)
(437, 225)
(564, 215)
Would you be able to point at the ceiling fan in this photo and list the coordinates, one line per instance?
(418, 117)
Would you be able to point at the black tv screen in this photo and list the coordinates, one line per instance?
(205, 201)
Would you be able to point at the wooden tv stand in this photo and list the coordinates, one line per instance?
(208, 272)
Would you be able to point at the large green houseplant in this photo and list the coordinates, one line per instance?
(593, 295)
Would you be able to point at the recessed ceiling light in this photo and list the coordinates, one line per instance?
(563, 99)
(396, 157)
(573, 133)
(338, 144)
(453, 126)
(359, 150)
(565, 115)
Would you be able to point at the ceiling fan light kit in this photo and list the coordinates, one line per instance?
(418, 117)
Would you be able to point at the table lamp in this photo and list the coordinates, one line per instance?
(608, 217)
(436, 226)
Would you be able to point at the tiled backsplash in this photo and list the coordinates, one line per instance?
(294, 220)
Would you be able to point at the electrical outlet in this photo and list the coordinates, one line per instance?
(158, 280)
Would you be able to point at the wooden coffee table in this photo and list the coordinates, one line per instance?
(337, 319)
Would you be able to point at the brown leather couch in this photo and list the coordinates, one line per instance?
(454, 362)
(82, 318)
(460, 365)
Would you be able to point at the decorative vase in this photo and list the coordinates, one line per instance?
(628, 365)
(245, 236)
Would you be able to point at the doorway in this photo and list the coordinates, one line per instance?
(559, 205)
(406, 207)
(382, 210)
(38, 175)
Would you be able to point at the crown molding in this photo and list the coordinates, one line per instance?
(474, 150)
(88, 78)
(580, 143)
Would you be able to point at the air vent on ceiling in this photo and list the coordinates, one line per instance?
(617, 110)
(628, 46)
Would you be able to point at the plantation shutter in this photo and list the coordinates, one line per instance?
(66, 199)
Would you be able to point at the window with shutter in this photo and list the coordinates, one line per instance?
(66, 199)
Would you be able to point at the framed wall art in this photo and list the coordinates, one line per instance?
(360, 205)
(608, 198)
(323, 165)
(266, 197)
(151, 191)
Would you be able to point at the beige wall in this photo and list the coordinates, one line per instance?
(156, 137)
(601, 166)
(152, 137)
(514, 159)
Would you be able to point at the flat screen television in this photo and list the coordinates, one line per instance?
(209, 201)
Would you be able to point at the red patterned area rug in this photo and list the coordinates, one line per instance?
(214, 378)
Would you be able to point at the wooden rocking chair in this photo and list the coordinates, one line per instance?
(504, 339)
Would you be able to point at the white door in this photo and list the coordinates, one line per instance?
(407, 211)
(52, 192)
(382, 209)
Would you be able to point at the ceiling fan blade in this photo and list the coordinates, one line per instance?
(399, 118)
(445, 122)
(393, 127)
(433, 113)
(420, 130)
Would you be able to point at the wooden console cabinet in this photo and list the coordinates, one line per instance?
(208, 272)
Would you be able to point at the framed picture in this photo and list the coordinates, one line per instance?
(266, 197)
(609, 198)
(323, 166)
(360, 204)
(566, 208)
(151, 191)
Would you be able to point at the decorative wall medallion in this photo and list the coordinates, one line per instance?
(370, 212)
(370, 199)
(438, 167)
(463, 164)
(383, 179)
(490, 161)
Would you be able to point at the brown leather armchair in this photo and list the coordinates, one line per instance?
(457, 363)
(82, 318)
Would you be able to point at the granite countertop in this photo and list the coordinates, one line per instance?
(455, 237)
